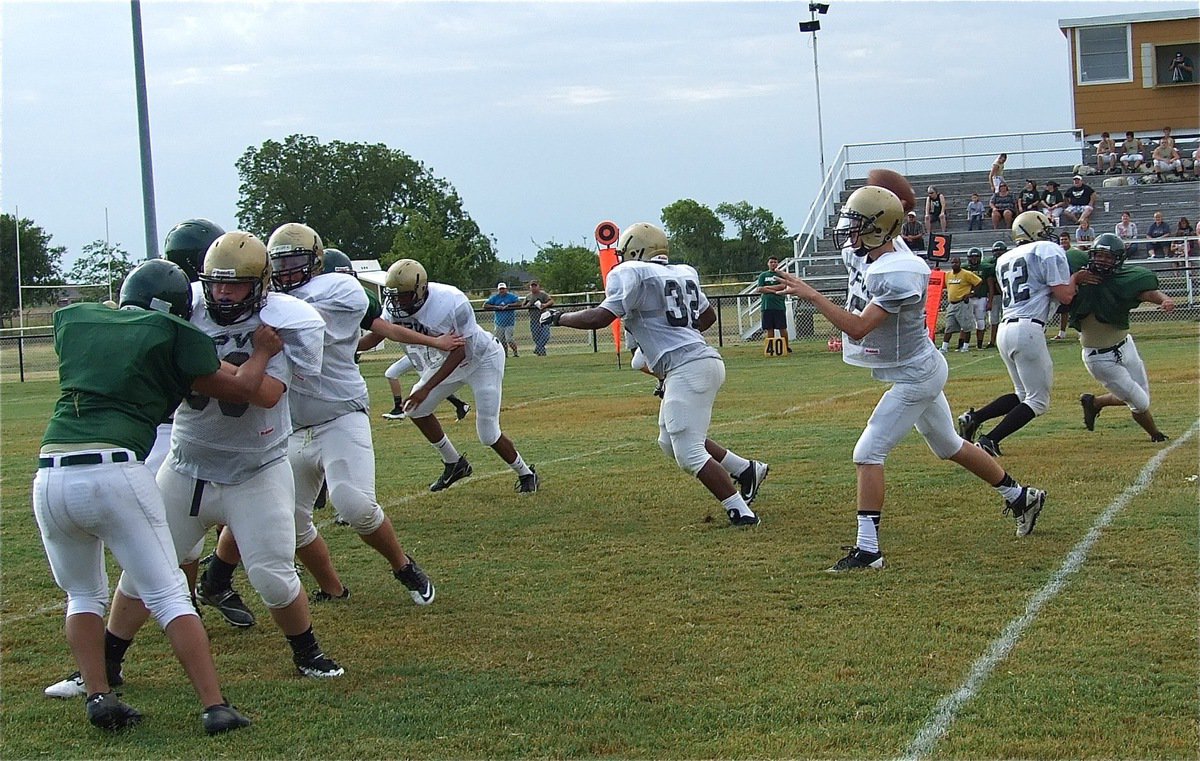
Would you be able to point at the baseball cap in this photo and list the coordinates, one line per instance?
(501, 285)
(912, 214)
(1077, 177)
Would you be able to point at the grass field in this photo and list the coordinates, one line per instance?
(614, 614)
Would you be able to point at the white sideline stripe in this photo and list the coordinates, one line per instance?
(35, 613)
(943, 715)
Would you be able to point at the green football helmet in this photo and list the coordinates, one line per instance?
(1106, 255)
(160, 285)
(337, 261)
(188, 241)
(974, 255)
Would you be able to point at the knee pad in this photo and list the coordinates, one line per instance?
(664, 443)
(864, 454)
(398, 368)
(690, 456)
(362, 512)
(166, 603)
(94, 601)
(487, 428)
(307, 535)
(1037, 402)
(277, 585)
(1138, 401)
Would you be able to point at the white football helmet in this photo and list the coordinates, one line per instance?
(643, 242)
(870, 218)
(296, 253)
(406, 288)
(1031, 226)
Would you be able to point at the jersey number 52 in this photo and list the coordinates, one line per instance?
(1015, 275)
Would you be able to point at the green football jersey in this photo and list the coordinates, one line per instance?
(985, 270)
(1111, 300)
(374, 309)
(121, 372)
(771, 300)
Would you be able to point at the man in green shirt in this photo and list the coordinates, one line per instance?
(773, 306)
(982, 294)
(1108, 290)
(121, 372)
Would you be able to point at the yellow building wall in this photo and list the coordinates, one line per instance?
(1123, 106)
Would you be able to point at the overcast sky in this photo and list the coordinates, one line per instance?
(546, 117)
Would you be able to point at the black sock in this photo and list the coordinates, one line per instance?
(399, 400)
(115, 647)
(1007, 480)
(455, 401)
(218, 575)
(303, 643)
(1012, 422)
(1001, 405)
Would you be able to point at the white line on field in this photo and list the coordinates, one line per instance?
(34, 613)
(947, 708)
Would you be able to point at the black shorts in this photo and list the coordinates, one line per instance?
(774, 319)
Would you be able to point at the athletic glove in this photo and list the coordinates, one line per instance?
(550, 317)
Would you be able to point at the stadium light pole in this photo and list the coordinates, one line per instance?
(143, 113)
(812, 25)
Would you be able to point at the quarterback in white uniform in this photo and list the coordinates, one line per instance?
(435, 309)
(883, 324)
(1034, 279)
(665, 311)
(331, 438)
(228, 463)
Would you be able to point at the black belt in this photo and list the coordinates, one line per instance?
(1018, 319)
(959, 301)
(1109, 350)
(87, 458)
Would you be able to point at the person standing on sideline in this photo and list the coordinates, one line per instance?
(537, 302)
(981, 294)
(665, 310)
(434, 309)
(503, 304)
(883, 324)
(959, 284)
(1108, 290)
(1034, 278)
(121, 372)
(995, 308)
(773, 307)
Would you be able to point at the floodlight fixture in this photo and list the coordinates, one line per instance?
(810, 26)
(821, 8)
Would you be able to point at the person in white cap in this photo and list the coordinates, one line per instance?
(1081, 201)
(504, 304)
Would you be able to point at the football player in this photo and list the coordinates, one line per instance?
(665, 311)
(1108, 290)
(1034, 279)
(228, 462)
(121, 372)
(434, 309)
(884, 326)
(982, 294)
(332, 431)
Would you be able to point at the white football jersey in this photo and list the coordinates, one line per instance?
(660, 304)
(227, 443)
(339, 387)
(1025, 275)
(898, 283)
(446, 310)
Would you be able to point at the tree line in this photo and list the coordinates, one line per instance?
(376, 202)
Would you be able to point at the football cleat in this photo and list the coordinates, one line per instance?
(1026, 509)
(73, 686)
(320, 595)
(227, 601)
(460, 411)
(1090, 410)
(858, 560)
(1159, 437)
(317, 665)
(397, 413)
(453, 471)
(968, 425)
(106, 711)
(222, 718)
(418, 584)
(989, 446)
(527, 484)
(751, 479)
(738, 520)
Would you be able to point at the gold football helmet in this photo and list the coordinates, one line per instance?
(1031, 226)
(405, 288)
(234, 258)
(643, 242)
(296, 255)
(870, 218)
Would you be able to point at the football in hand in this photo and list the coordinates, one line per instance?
(895, 182)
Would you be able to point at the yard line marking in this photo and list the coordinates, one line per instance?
(943, 715)
(34, 613)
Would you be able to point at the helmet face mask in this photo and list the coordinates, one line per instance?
(296, 255)
(643, 242)
(160, 285)
(1031, 226)
(870, 219)
(974, 255)
(187, 242)
(406, 288)
(235, 258)
(1106, 255)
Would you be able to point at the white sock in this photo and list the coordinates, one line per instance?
(868, 530)
(734, 464)
(735, 502)
(449, 454)
(1008, 488)
(945, 345)
(519, 467)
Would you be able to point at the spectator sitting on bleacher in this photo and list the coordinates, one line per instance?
(1029, 199)
(1185, 247)
(1157, 230)
(1127, 230)
(1004, 207)
(1131, 153)
(913, 232)
(1084, 235)
(1053, 201)
(935, 208)
(1166, 138)
(1166, 159)
(1080, 201)
(1196, 162)
(975, 211)
(1106, 154)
